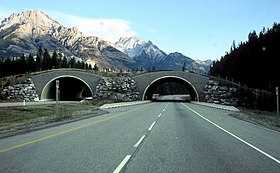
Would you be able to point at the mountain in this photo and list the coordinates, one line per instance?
(149, 56)
(24, 33)
(145, 54)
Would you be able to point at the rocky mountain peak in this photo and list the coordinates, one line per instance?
(126, 43)
(32, 17)
(24, 33)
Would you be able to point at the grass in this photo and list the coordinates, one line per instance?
(18, 118)
(263, 118)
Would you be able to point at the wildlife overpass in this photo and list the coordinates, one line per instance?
(77, 85)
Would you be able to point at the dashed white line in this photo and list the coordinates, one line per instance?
(152, 126)
(163, 110)
(122, 164)
(159, 115)
(236, 137)
(139, 142)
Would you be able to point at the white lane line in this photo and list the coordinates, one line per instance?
(236, 137)
(139, 142)
(163, 110)
(152, 126)
(159, 115)
(122, 164)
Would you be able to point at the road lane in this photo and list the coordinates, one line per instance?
(181, 141)
(97, 147)
(154, 137)
(265, 139)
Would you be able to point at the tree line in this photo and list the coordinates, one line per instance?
(253, 63)
(42, 61)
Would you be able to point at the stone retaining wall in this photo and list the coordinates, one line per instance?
(116, 88)
(23, 91)
(215, 92)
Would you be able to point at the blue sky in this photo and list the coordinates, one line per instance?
(200, 29)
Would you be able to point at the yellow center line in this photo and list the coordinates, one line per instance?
(66, 131)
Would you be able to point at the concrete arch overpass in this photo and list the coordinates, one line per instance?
(76, 84)
(194, 83)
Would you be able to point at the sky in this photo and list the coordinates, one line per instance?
(199, 29)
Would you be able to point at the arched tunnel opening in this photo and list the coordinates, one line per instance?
(171, 86)
(70, 89)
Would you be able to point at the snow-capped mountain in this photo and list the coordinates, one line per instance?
(149, 56)
(128, 43)
(24, 33)
(203, 66)
(135, 48)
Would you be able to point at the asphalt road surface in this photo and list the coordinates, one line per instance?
(154, 137)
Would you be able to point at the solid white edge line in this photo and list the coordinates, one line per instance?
(152, 126)
(139, 142)
(122, 164)
(236, 137)
(159, 115)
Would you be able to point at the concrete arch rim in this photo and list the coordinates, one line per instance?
(63, 76)
(162, 77)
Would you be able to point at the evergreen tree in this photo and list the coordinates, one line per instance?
(89, 67)
(64, 63)
(254, 62)
(39, 59)
(54, 60)
(31, 66)
(95, 67)
(21, 64)
(83, 66)
(78, 65)
(72, 63)
(184, 67)
(46, 60)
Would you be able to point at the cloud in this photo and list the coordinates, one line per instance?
(107, 29)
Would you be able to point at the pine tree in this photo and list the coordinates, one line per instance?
(184, 67)
(95, 67)
(72, 63)
(30, 63)
(46, 60)
(64, 63)
(54, 60)
(39, 59)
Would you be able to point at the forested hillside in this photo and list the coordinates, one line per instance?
(254, 63)
(42, 61)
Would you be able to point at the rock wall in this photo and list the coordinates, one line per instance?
(215, 92)
(23, 91)
(116, 88)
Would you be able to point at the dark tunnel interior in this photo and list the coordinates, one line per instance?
(170, 86)
(70, 89)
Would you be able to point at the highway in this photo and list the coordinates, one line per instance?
(153, 137)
